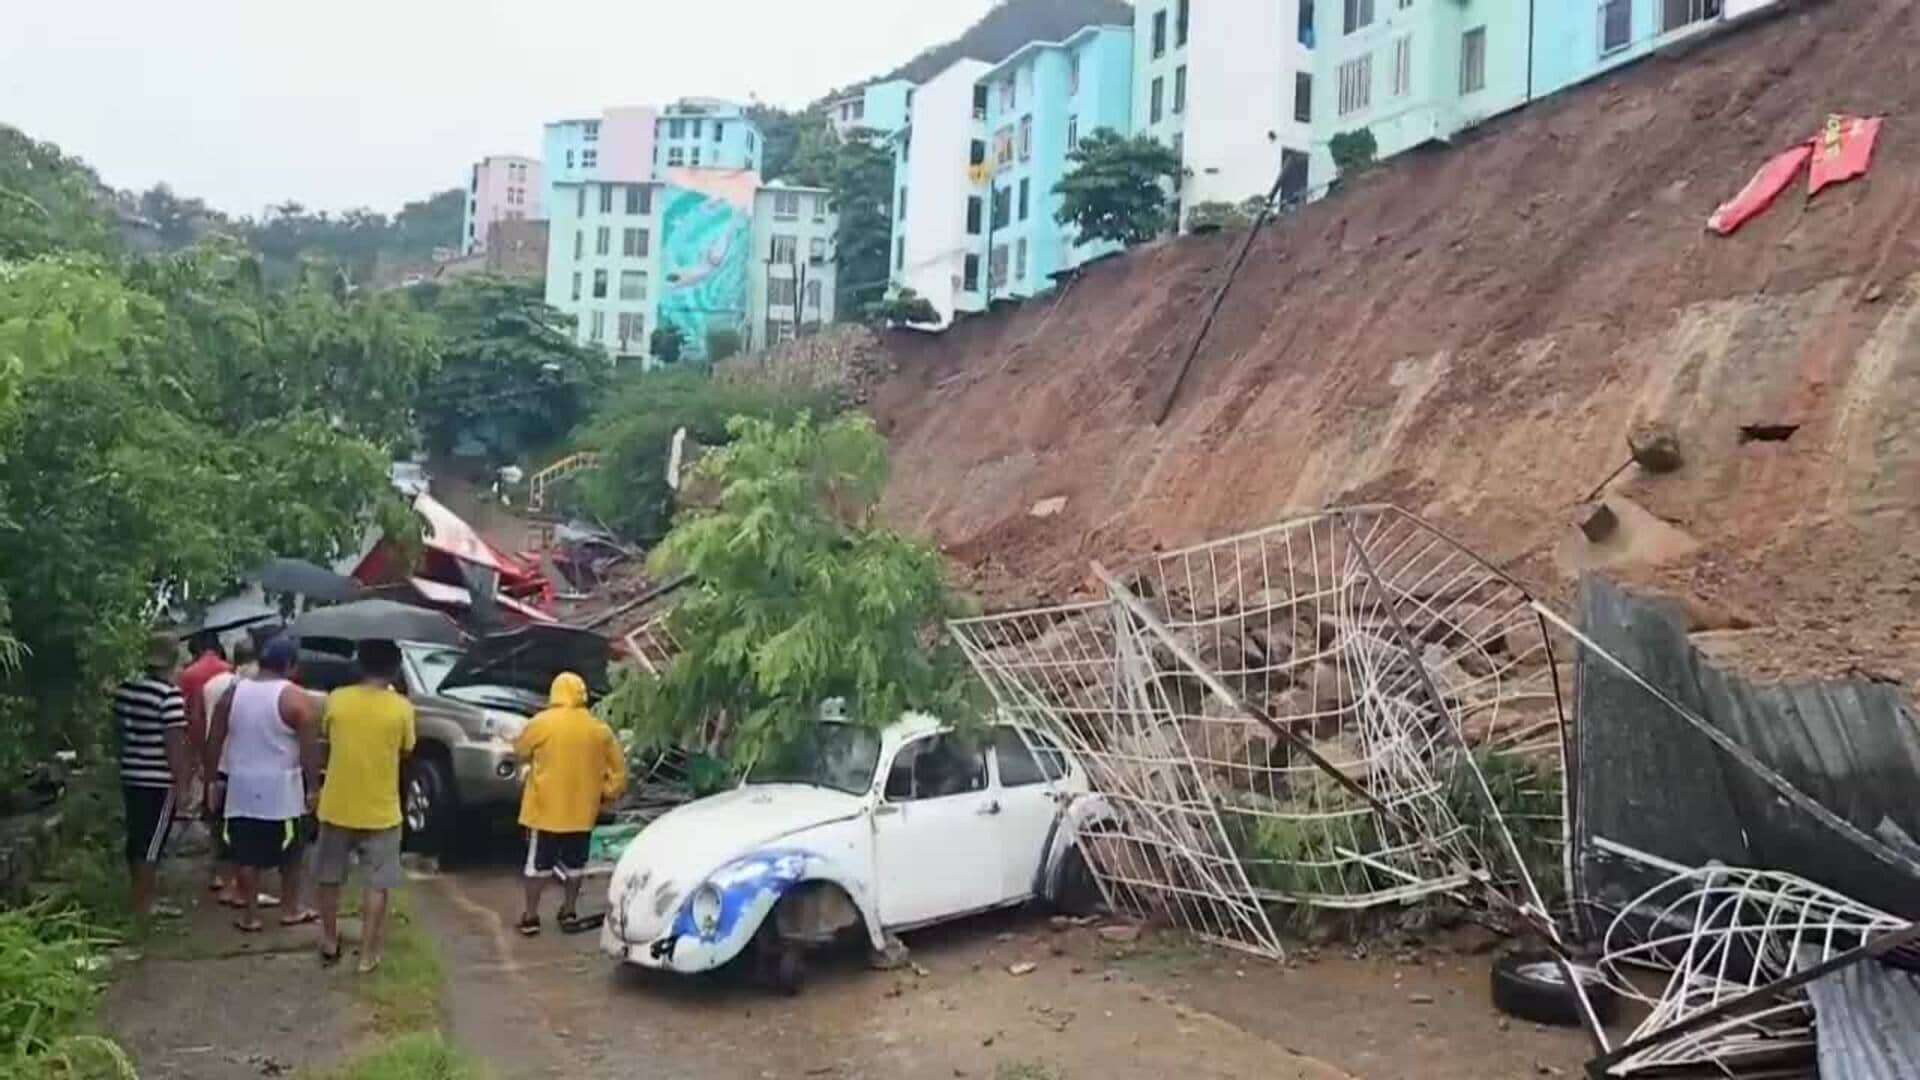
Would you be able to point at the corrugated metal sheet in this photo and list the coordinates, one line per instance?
(1867, 1023)
(1648, 779)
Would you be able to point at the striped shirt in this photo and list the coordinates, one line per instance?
(143, 710)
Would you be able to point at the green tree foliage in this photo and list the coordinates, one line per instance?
(633, 431)
(799, 597)
(666, 343)
(1353, 152)
(1115, 188)
(49, 201)
(907, 307)
(511, 375)
(803, 148)
(723, 343)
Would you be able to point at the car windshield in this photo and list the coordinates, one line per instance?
(432, 663)
(838, 756)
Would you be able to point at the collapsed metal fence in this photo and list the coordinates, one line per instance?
(1300, 715)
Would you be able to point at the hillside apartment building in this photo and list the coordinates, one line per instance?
(878, 107)
(500, 188)
(659, 217)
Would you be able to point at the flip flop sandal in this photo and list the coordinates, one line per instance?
(529, 927)
(248, 927)
(300, 918)
(368, 967)
(328, 958)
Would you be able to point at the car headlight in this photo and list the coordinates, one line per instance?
(705, 908)
(503, 725)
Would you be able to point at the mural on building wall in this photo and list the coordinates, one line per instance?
(706, 238)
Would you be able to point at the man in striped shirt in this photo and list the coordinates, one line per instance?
(150, 717)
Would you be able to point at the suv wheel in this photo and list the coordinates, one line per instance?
(427, 805)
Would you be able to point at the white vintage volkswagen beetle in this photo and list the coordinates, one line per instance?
(876, 831)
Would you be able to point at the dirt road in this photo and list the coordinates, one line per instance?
(552, 1006)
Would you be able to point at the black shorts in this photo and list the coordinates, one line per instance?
(149, 821)
(562, 854)
(264, 845)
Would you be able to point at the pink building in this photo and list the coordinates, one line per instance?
(503, 187)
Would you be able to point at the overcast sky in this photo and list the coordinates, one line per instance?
(374, 102)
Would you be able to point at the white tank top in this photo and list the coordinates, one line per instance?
(262, 755)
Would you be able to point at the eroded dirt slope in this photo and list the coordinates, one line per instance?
(1471, 332)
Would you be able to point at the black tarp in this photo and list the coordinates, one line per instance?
(1649, 780)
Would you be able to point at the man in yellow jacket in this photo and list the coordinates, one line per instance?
(575, 766)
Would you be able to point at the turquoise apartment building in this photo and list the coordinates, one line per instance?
(1039, 103)
(878, 107)
(1574, 42)
(1417, 71)
(641, 142)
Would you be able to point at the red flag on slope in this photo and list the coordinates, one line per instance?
(1843, 151)
(1766, 185)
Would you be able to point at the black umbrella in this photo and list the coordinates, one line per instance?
(303, 578)
(377, 620)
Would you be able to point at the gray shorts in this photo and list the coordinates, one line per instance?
(378, 850)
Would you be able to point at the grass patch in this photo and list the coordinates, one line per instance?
(51, 961)
(405, 994)
(423, 1055)
(1026, 1070)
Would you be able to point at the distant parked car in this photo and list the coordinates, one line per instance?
(410, 478)
(860, 832)
(469, 705)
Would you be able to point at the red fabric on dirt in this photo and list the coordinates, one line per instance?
(1843, 151)
(1766, 185)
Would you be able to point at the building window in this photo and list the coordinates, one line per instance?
(576, 285)
(1473, 60)
(1003, 147)
(589, 158)
(599, 284)
(1180, 145)
(1303, 97)
(997, 267)
(569, 159)
(676, 129)
(1303, 28)
(1180, 24)
(1159, 34)
(900, 207)
(579, 244)
(599, 326)
(697, 128)
(813, 294)
(785, 250)
(633, 330)
(1356, 84)
(719, 130)
(1616, 25)
(634, 243)
(819, 208)
(973, 215)
(1073, 133)
(1023, 198)
(1403, 66)
(1009, 97)
(1002, 208)
(1675, 14)
(1026, 137)
(695, 159)
(979, 103)
(1293, 175)
(1156, 96)
(603, 240)
(639, 199)
(779, 330)
(633, 285)
(970, 274)
(780, 291)
(1359, 15)
(977, 152)
(786, 205)
(1179, 89)
(817, 249)
(606, 198)
(676, 156)
(900, 254)
(1073, 74)
(593, 131)
(1020, 259)
(580, 201)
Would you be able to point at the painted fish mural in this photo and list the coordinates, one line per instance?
(705, 245)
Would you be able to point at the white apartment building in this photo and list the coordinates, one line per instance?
(935, 162)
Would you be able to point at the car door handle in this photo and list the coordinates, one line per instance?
(989, 809)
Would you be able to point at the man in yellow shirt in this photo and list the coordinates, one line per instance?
(575, 766)
(369, 729)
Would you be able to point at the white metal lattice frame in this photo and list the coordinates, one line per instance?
(1369, 639)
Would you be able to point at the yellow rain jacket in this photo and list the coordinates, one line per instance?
(575, 763)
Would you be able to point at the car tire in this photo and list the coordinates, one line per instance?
(428, 806)
(789, 970)
(1075, 892)
(1532, 985)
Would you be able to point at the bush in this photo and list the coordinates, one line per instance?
(51, 959)
(722, 344)
(905, 307)
(666, 344)
(1529, 797)
(1353, 152)
(633, 431)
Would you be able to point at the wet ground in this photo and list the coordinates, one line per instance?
(1158, 1007)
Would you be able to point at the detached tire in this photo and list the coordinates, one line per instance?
(1532, 986)
(1075, 892)
(427, 806)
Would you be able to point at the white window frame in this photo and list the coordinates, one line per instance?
(1402, 81)
(786, 206)
(637, 278)
(785, 249)
(1473, 61)
(1356, 85)
(1356, 15)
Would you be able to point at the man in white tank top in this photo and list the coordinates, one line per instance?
(262, 734)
